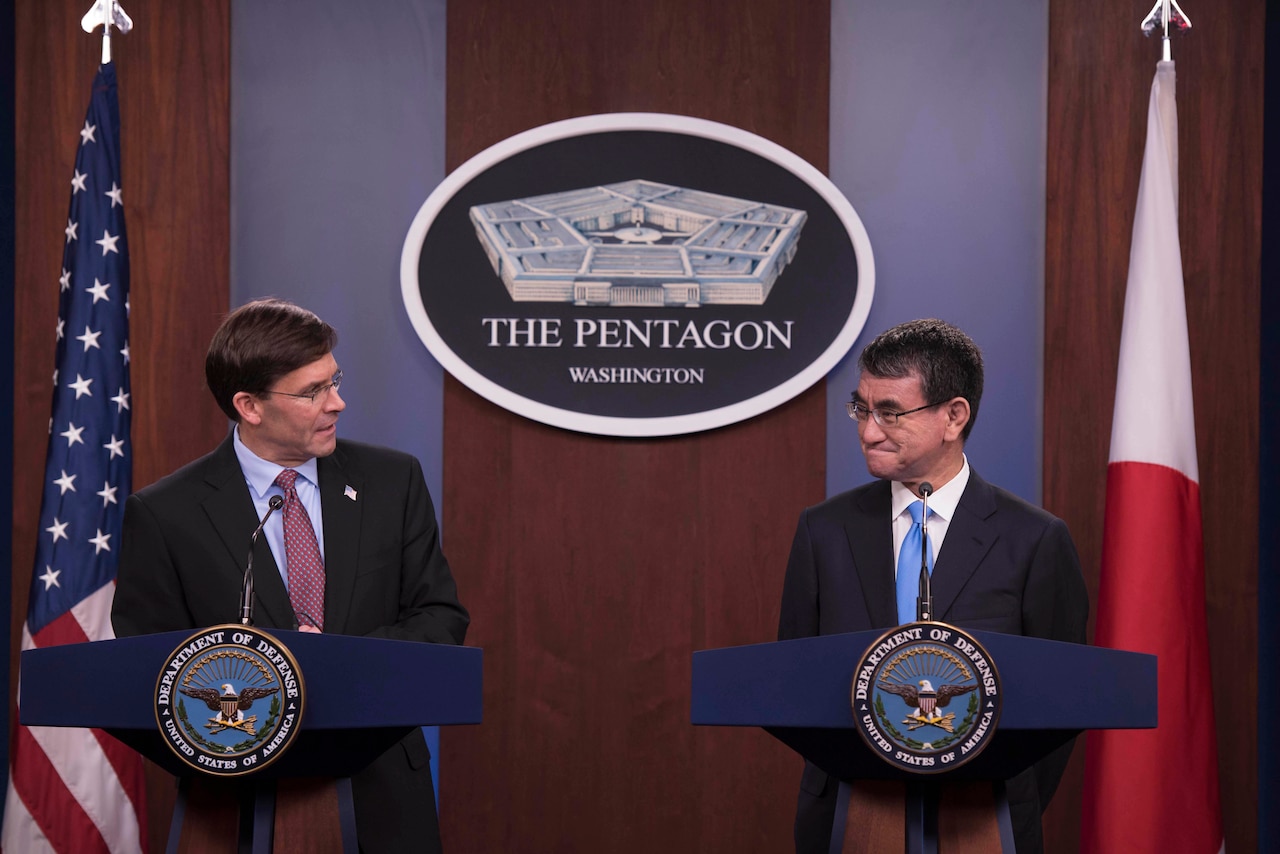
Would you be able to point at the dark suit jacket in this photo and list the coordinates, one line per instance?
(182, 559)
(1005, 566)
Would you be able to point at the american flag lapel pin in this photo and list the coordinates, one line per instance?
(349, 492)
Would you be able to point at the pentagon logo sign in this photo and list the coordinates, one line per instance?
(637, 274)
(229, 700)
(926, 697)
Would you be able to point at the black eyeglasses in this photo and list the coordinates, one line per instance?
(310, 396)
(883, 417)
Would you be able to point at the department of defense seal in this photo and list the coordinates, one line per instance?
(229, 700)
(926, 697)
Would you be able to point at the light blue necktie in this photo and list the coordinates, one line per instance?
(909, 565)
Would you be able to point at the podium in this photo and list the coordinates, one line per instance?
(362, 696)
(800, 692)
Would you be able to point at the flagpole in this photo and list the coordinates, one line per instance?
(105, 14)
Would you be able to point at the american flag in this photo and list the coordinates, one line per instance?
(76, 789)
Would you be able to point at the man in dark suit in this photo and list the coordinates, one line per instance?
(1001, 564)
(367, 561)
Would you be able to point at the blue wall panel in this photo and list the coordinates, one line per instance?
(337, 137)
(938, 140)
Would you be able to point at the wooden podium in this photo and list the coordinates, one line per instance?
(800, 692)
(362, 696)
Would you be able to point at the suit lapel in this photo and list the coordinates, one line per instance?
(231, 512)
(970, 536)
(342, 517)
(870, 532)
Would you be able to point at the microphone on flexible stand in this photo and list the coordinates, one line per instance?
(246, 586)
(924, 602)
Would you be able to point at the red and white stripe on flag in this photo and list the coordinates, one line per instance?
(1155, 790)
(72, 790)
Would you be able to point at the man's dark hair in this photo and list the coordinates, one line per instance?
(947, 360)
(260, 342)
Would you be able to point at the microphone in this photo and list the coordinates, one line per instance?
(924, 602)
(246, 586)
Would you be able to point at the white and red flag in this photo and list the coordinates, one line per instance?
(1155, 790)
(80, 790)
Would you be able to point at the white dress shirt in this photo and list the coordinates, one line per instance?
(942, 509)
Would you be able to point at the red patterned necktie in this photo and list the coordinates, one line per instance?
(302, 555)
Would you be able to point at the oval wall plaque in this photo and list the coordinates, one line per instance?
(637, 274)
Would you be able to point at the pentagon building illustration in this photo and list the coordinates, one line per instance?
(638, 243)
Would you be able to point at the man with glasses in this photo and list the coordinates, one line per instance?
(355, 549)
(998, 563)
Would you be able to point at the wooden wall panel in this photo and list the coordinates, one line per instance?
(174, 78)
(1100, 72)
(594, 567)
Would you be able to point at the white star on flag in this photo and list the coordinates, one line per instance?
(90, 339)
(108, 242)
(115, 194)
(125, 352)
(73, 435)
(115, 446)
(100, 542)
(61, 332)
(77, 182)
(59, 530)
(121, 401)
(50, 577)
(86, 135)
(81, 385)
(108, 494)
(67, 481)
(65, 281)
(99, 291)
(71, 231)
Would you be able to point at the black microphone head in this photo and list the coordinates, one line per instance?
(926, 489)
(276, 502)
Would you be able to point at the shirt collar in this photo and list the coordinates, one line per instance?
(942, 502)
(261, 474)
